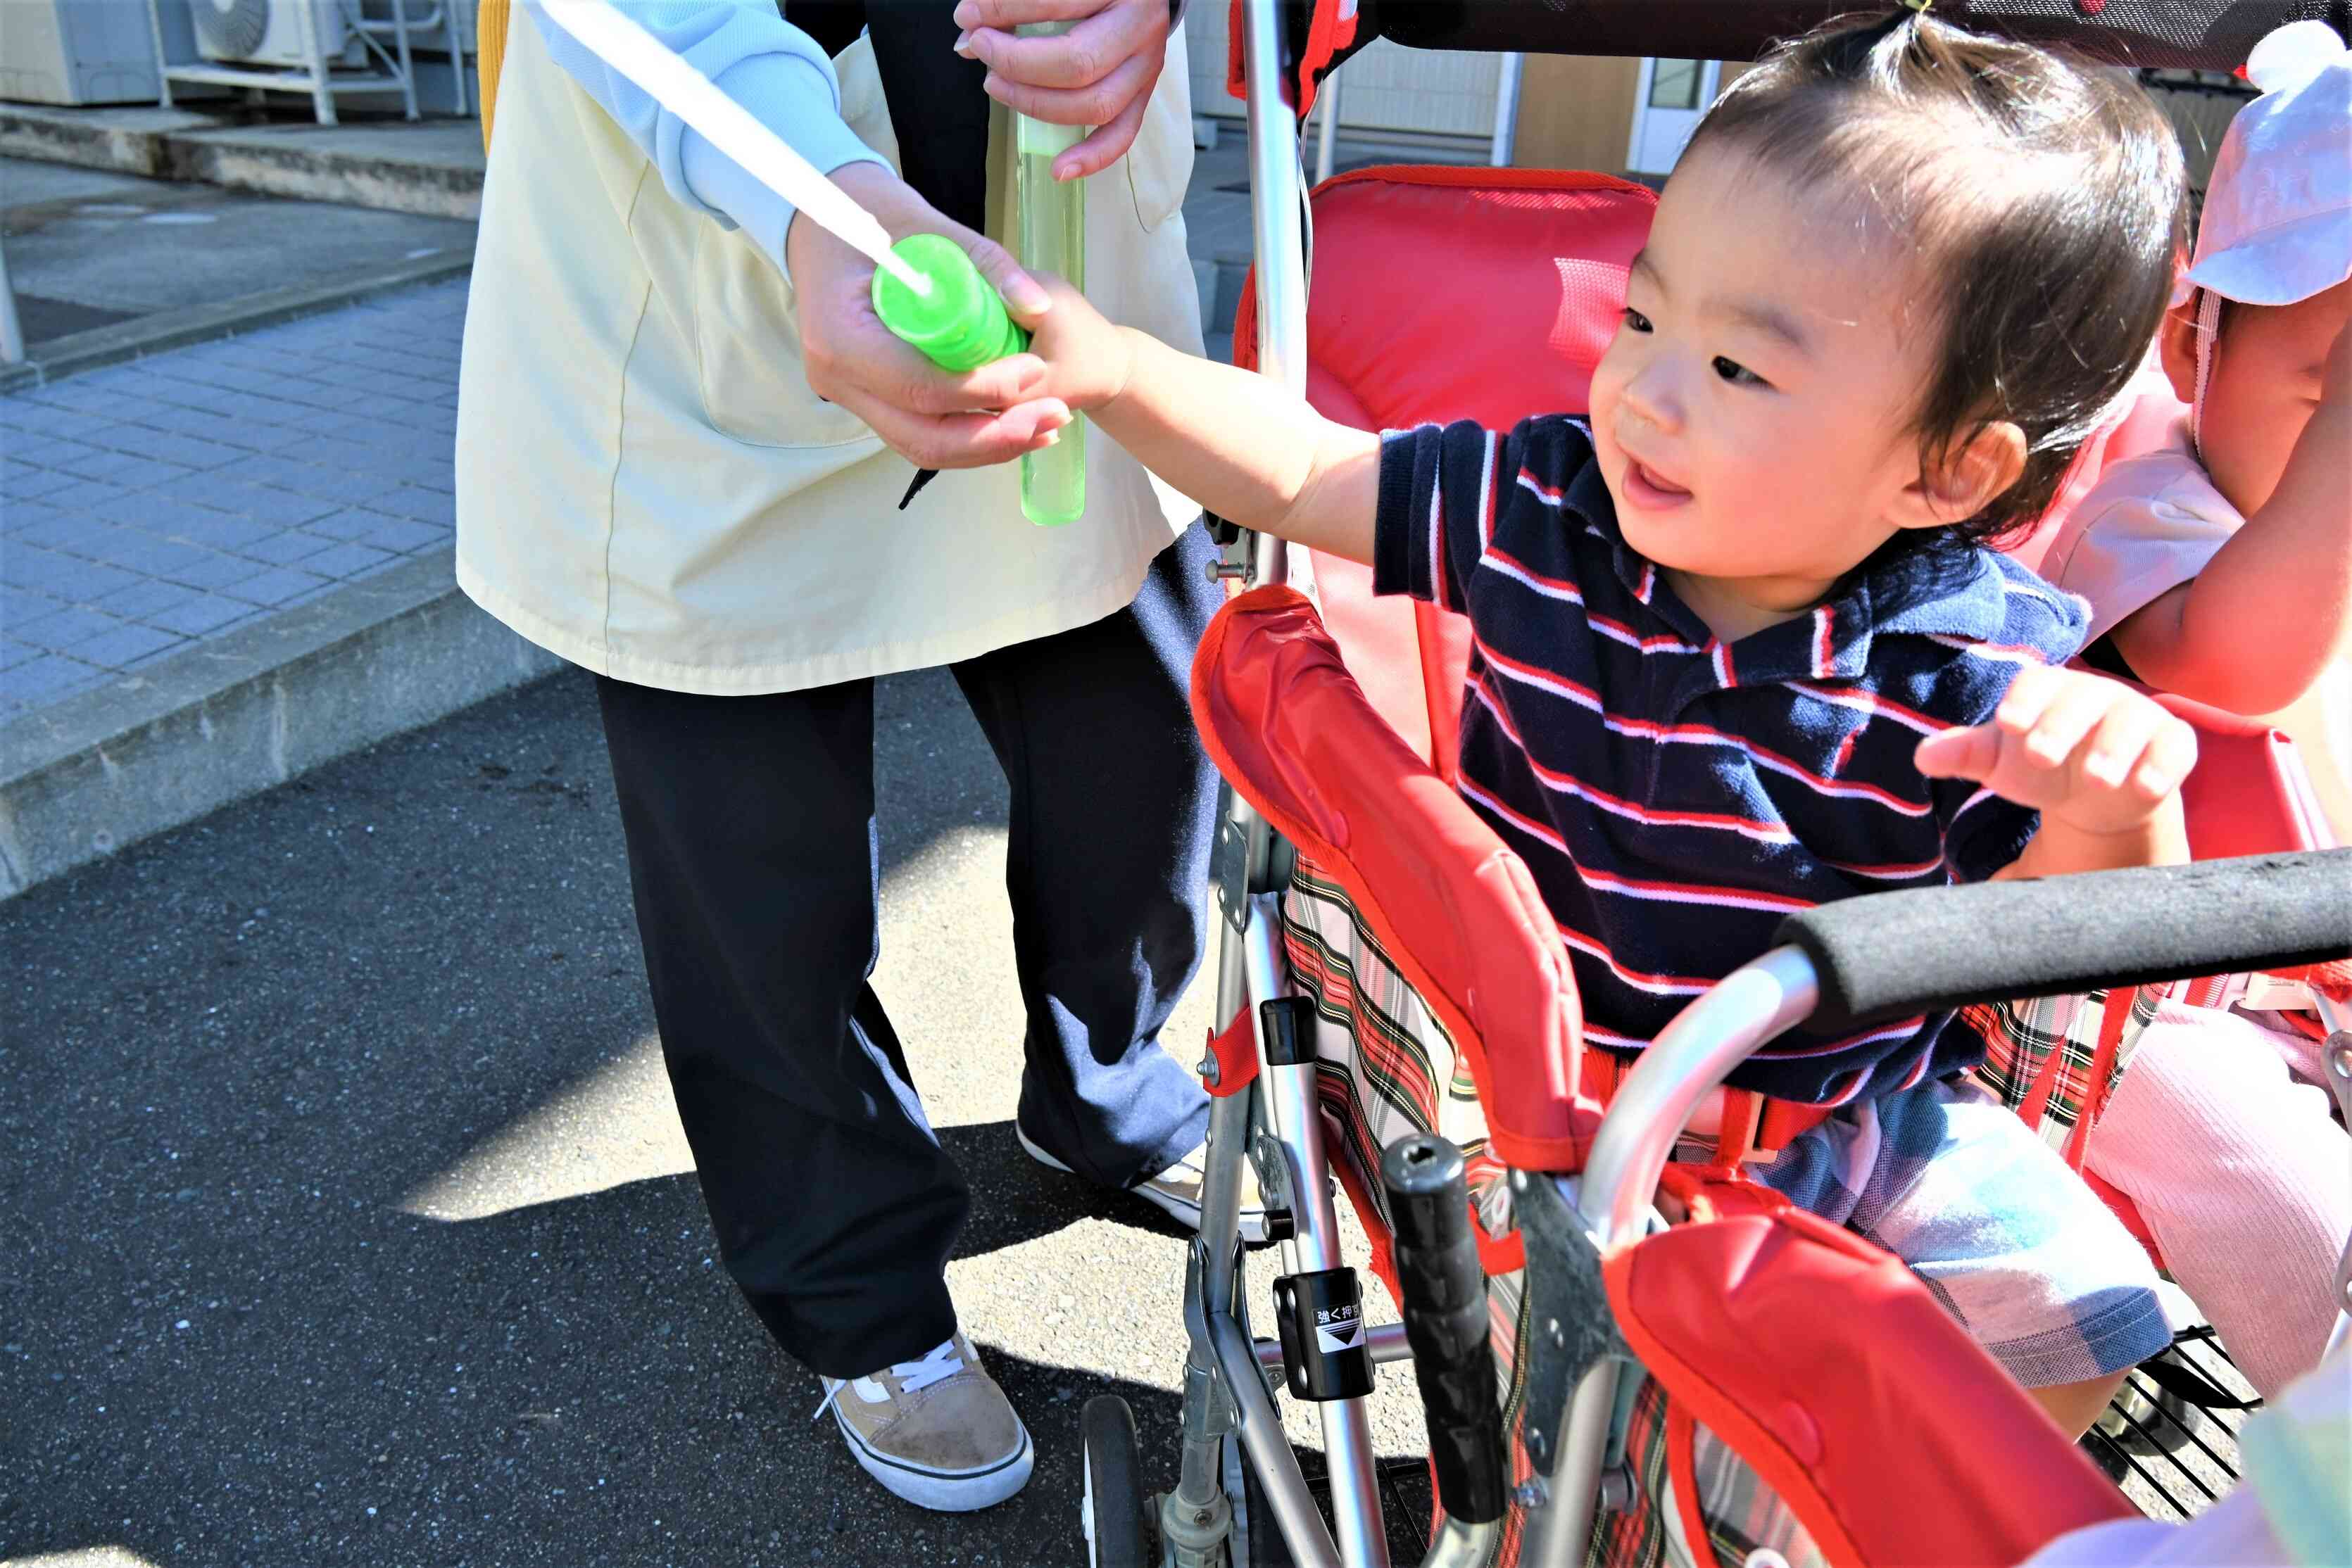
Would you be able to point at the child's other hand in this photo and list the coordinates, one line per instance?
(2081, 748)
(1087, 360)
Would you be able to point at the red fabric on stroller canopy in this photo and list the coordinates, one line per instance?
(1421, 262)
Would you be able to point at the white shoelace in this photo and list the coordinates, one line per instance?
(942, 1362)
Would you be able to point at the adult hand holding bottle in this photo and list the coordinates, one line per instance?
(925, 414)
(1099, 73)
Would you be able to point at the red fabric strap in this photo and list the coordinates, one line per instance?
(1235, 1052)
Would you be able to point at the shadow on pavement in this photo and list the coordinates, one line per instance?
(233, 1055)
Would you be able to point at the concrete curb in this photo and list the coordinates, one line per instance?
(56, 136)
(388, 185)
(103, 345)
(174, 144)
(239, 712)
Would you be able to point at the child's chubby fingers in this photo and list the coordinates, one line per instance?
(2139, 750)
(2071, 713)
(1970, 752)
(2164, 764)
(2029, 696)
(2107, 758)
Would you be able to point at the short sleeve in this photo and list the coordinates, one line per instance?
(2146, 529)
(1446, 490)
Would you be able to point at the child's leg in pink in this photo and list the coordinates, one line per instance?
(2243, 1178)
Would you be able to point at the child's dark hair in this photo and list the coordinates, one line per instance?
(2045, 200)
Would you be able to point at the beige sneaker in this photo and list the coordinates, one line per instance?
(938, 1432)
(1176, 1191)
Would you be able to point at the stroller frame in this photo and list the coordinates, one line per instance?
(1274, 1120)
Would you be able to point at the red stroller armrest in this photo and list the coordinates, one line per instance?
(1888, 1371)
(2248, 794)
(1291, 728)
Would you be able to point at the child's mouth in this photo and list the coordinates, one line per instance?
(1647, 489)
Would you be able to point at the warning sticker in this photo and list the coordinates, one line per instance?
(1339, 1329)
(1332, 1337)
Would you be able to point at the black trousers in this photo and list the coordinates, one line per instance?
(753, 857)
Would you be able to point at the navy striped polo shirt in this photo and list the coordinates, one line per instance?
(1675, 796)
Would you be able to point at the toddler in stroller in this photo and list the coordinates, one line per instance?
(1738, 647)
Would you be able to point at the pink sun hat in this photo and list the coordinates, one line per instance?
(2277, 225)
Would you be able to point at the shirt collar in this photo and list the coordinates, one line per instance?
(1939, 589)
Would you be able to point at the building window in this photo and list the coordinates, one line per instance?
(1674, 84)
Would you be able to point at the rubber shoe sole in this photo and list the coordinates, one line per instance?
(944, 1491)
(1184, 1213)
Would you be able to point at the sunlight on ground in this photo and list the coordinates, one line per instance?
(615, 1127)
(88, 1557)
(619, 1124)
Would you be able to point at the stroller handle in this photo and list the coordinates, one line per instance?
(1442, 1293)
(1929, 949)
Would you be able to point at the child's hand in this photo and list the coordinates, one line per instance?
(1087, 360)
(2336, 375)
(2084, 750)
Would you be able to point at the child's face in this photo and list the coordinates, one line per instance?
(2262, 389)
(1752, 413)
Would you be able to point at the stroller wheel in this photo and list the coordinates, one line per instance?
(1117, 1533)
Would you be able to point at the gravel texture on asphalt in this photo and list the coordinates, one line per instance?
(346, 1219)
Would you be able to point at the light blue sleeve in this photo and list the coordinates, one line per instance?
(756, 58)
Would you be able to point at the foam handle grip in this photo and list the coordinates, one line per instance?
(1444, 1293)
(1893, 954)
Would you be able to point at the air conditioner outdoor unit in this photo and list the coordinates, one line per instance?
(269, 32)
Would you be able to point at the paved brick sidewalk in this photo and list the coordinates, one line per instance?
(149, 505)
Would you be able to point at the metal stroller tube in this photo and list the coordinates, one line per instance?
(1277, 229)
(1690, 1058)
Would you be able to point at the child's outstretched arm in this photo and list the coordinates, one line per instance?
(1231, 439)
(2102, 763)
(2253, 631)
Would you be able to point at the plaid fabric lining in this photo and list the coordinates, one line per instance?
(1378, 1071)
(2020, 1039)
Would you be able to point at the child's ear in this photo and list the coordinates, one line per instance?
(2175, 343)
(1965, 481)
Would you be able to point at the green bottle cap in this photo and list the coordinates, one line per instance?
(961, 324)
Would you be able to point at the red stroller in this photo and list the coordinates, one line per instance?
(1338, 773)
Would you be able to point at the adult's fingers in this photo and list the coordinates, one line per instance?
(1097, 105)
(1106, 145)
(967, 440)
(1020, 290)
(862, 359)
(1081, 58)
(1008, 15)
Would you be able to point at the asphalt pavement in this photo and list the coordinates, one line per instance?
(83, 244)
(347, 1219)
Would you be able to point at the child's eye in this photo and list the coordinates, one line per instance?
(1737, 374)
(1635, 321)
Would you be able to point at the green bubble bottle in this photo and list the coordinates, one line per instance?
(961, 323)
(1053, 239)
